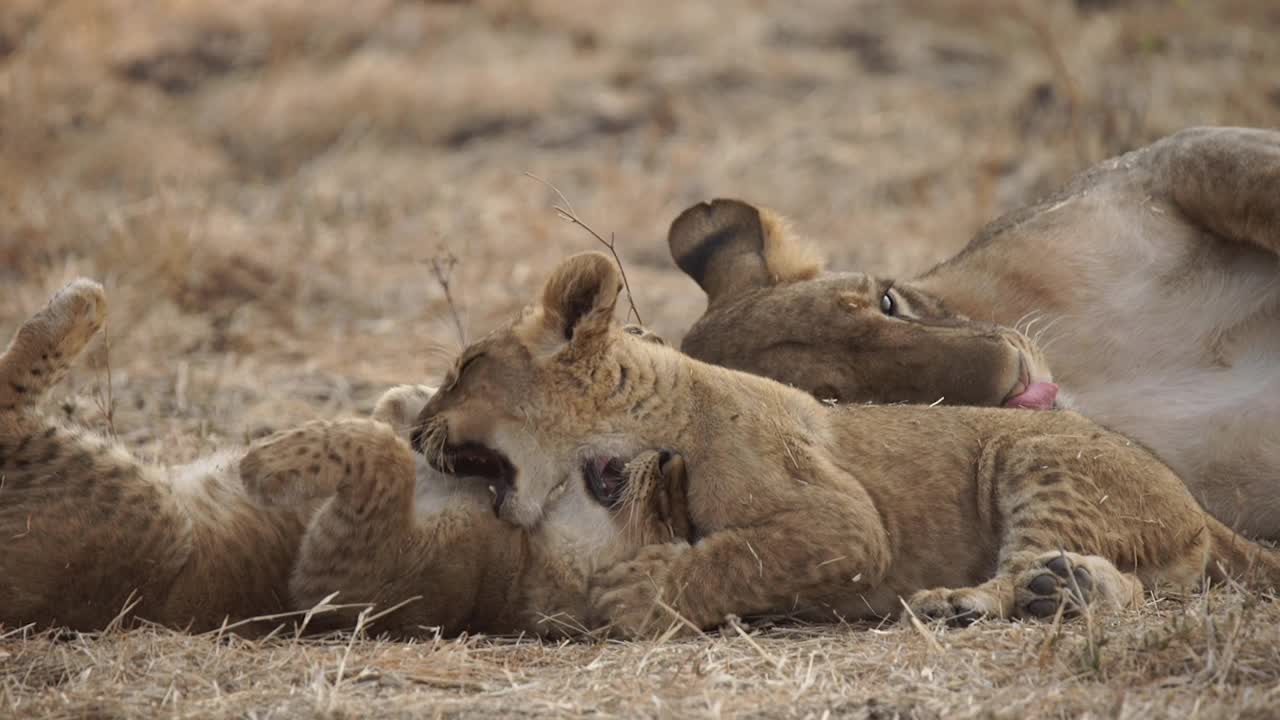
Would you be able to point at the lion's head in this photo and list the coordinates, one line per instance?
(544, 408)
(848, 337)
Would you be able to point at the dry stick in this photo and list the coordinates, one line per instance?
(346, 653)
(442, 266)
(1094, 643)
(566, 212)
(1075, 98)
(107, 408)
(734, 623)
(919, 627)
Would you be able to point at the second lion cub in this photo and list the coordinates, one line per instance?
(91, 534)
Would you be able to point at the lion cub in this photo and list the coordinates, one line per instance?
(429, 553)
(827, 513)
(92, 534)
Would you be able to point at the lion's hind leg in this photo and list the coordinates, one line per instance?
(44, 347)
(1225, 179)
(301, 465)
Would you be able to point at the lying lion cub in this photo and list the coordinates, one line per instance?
(1153, 280)
(385, 539)
(91, 534)
(827, 513)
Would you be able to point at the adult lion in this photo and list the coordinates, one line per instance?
(1153, 280)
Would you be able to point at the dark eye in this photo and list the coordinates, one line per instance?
(827, 395)
(467, 363)
(463, 367)
(887, 304)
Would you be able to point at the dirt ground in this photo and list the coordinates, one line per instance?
(273, 190)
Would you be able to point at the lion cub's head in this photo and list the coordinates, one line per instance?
(849, 337)
(545, 408)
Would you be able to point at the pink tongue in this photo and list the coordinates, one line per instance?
(1039, 396)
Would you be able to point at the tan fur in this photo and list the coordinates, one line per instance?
(786, 259)
(401, 537)
(1152, 281)
(823, 512)
(88, 530)
(770, 314)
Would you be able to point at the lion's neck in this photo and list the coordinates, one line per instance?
(739, 414)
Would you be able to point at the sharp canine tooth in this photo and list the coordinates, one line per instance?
(493, 491)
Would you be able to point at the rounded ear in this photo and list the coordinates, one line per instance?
(720, 245)
(580, 296)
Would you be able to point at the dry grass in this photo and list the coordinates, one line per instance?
(263, 185)
(1215, 657)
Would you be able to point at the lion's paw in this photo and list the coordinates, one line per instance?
(400, 406)
(291, 466)
(1073, 582)
(638, 597)
(959, 607)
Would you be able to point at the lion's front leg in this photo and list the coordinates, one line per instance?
(370, 547)
(1034, 587)
(776, 566)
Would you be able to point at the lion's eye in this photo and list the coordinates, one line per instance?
(887, 304)
(467, 363)
(463, 367)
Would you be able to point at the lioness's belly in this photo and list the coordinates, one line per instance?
(1173, 338)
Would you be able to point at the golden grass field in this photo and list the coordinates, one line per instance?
(264, 185)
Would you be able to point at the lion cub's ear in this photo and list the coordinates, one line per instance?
(730, 247)
(579, 297)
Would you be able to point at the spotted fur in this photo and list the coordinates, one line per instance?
(91, 534)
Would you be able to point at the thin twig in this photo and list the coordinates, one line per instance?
(1075, 98)
(566, 212)
(919, 627)
(736, 624)
(442, 265)
(108, 406)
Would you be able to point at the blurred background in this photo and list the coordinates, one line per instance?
(283, 195)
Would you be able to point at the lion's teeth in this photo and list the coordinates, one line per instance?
(493, 491)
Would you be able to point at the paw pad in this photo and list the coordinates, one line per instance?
(1058, 583)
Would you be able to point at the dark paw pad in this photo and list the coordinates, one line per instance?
(1059, 583)
(1042, 607)
(963, 617)
(1059, 566)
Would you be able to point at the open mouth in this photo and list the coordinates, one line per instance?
(1030, 394)
(606, 479)
(473, 460)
